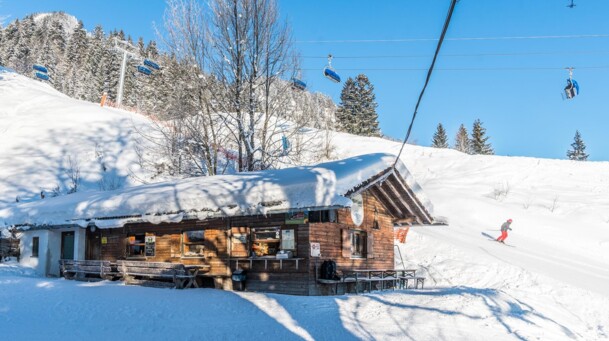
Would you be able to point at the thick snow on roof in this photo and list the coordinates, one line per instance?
(322, 185)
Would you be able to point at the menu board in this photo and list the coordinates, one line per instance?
(150, 246)
(287, 240)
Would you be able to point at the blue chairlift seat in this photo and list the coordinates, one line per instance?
(40, 68)
(331, 75)
(151, 64)
(42, 76)
(144, 70)
(298, 84)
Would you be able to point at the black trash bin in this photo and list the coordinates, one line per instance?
(238, 279)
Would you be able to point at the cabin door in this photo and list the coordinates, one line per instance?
(93, 251)
(67, 245)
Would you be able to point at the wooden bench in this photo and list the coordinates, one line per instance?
(87, 269)
(157, 274)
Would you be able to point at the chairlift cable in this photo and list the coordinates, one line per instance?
(476, 69)
(498, 54)
(433, 63)
(410, 40)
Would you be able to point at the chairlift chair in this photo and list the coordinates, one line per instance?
(572, 88)
(330, 73)
(144, 70)
(40, 68)
(151, 64)
(42, 76)
(298, 84)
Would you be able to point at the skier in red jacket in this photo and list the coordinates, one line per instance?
(504, 228)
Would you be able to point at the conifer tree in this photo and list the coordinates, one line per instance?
(462, 143)
(347, 109)
(578, 149)
(440, 140)
(367, 123)
(357, 111)
(479, 140)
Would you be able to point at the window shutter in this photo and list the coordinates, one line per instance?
(346, 243)
(370, 246)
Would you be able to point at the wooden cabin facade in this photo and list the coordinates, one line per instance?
(280, 251)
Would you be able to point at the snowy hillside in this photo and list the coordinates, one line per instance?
(551, 282)
(44, 134)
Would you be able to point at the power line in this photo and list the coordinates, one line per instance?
(474, 69)
(433, 63)
(413, 40)
(496, 54)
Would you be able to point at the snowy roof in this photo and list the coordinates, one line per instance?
(271, 191)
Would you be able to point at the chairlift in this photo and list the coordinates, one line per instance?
(40, 68)
(285, 144)
(329, 71)
(151, 64)
(571, 4)
(42, 76)
(144, 70)
(572, 88)
(298, 84)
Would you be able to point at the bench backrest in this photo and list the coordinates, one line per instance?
(151, 268)
(85, 265)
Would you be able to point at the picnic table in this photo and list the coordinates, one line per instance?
(194, 271)
(381, 276)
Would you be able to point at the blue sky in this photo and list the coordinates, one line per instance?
(513, 85)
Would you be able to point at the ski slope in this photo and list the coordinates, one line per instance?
(42, 130)
(552, 283)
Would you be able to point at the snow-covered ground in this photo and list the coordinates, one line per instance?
(43, 131)
(550, 283)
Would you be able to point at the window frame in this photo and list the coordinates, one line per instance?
(184, 243)
(363, 237)
(257, 243)
(36, 247)
(131, 246)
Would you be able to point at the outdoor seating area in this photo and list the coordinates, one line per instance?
(360, 280)
(88, 270)
(156, 274)
(159, 274)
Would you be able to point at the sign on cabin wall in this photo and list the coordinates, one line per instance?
(301, 217)
(150, 245)
(287, 240)
(104, 240)
(315, 250)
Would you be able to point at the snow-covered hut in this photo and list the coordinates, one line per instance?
(277, 225)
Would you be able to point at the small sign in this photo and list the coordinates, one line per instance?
(287, 240)
(104, 240)
(315, 250)
(150, 246)
(300, 217)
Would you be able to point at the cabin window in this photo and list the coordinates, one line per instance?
(193, 243)
(358, 243)
(325, 216)
(137, 245)
(35, 247)
(266, 241)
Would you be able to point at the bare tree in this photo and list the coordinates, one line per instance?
(72, 172)
(251, 52)
(192, 130)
